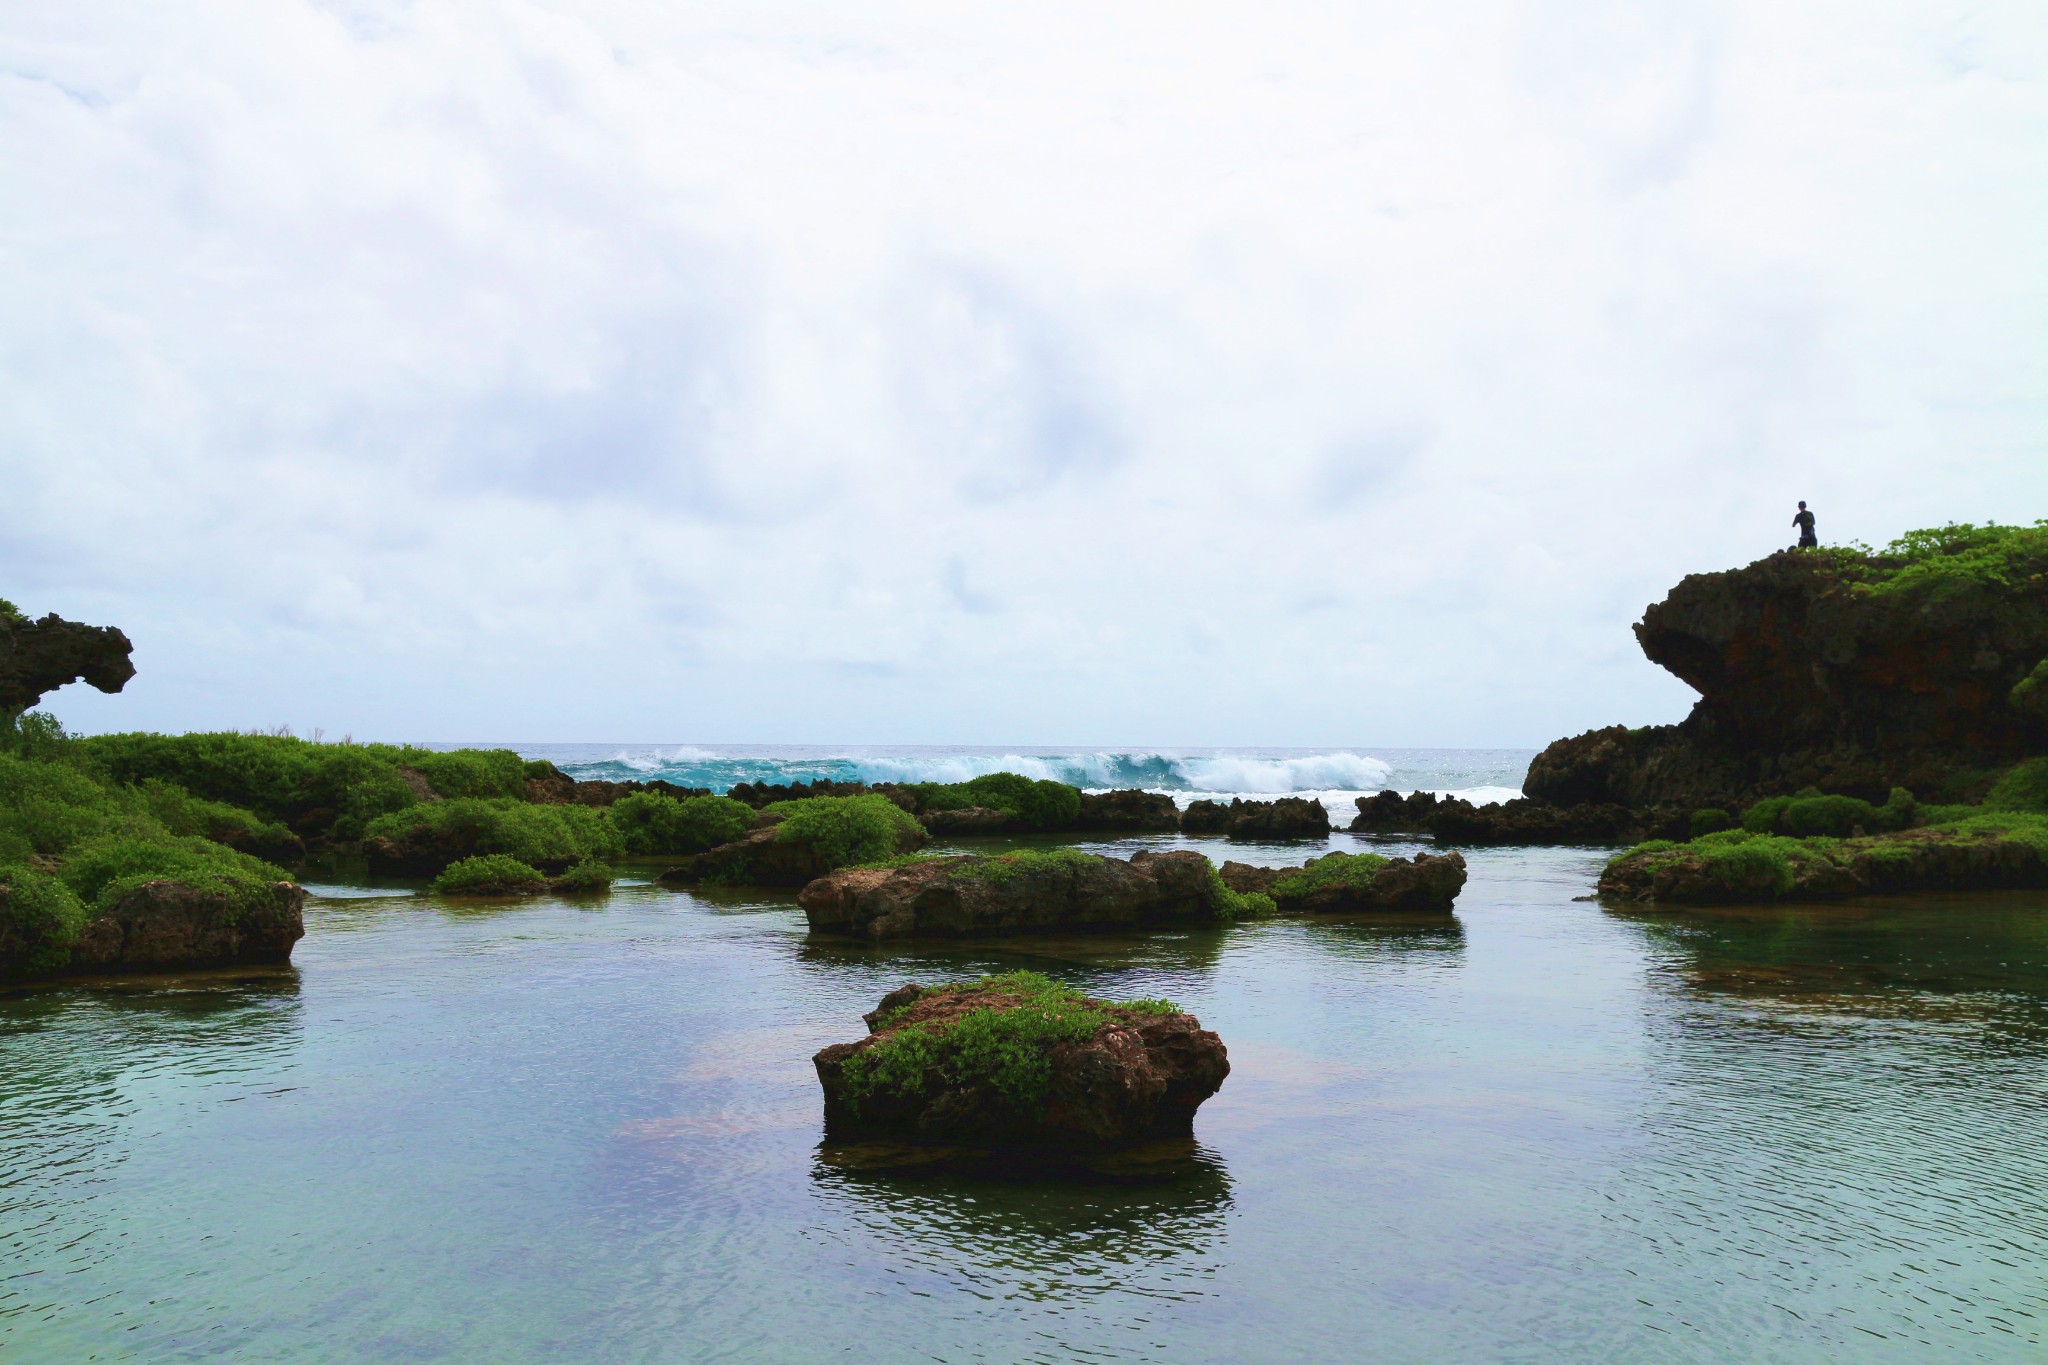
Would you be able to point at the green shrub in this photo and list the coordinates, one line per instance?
(1957, 554)
(2029, 695)
(470, 772)
(340, 788)
(1007, 1050)
(493, 873)
(1039, 803)
(49, 807)
(1712, 820)
(846, 829)
(43, 915)
(649, 822)
(2024, 786)
(1756, 867)
(1762, 817)
(586, 878)
(180, 812)
(540, 835)
(106, 869)
(31, 734)
(1834, 816)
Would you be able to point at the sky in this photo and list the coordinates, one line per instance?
(902, 372)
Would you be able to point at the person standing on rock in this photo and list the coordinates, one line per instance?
(1804, 521)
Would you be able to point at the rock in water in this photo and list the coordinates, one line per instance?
(42, 656)
(165, 926)
(1134, 810)
(1019, 1061)
(1020, 893)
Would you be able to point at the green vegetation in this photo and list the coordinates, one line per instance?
(1008, 865)
(1712, 820)
(335, 789)
(104, 870)
(1838, 817)
(1006, 1049)
(1236, 905)
(541, 835)
(649, 822)
(40, 917)
(588, 878)
(31, 734)
(490, 875)
(1038, 803)
(2029, 695)
(2024, 786)
(48, 808)
(1946, 558)
(1355, 870)
(842, 830)
(1740, 861)
(180, 812)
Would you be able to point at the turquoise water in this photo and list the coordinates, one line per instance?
(548, 1132)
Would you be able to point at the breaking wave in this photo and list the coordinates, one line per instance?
(1333, 776)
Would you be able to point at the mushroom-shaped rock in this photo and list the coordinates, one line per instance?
(1021, 1061)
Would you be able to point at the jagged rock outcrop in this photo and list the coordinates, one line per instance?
(764, 858)
(1137, 1076)
(165, 926)
(1286, 817)
(556, 788)
(1027, 893)
(759, 794)
(1132, 811)
(37, 657)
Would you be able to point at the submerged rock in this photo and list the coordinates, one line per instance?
(1020, 1061)
(1020, 893)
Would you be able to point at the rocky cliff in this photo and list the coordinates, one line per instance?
(1847, 672)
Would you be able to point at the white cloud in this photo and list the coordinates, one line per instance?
(1299, 374)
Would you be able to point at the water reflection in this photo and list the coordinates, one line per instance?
(1978, 959)
(1431, 942)
(1151, 1223)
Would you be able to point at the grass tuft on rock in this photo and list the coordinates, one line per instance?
(1007, 1049)
(1355, 870)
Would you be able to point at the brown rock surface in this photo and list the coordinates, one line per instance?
(163, 925)
(1029, 894)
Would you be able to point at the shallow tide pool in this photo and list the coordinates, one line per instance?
(547, 1131)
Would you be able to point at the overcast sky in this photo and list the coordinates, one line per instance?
(1096, 373)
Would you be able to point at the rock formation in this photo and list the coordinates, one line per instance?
(1287, 817)
(1355, 884)
(165, 925)
(41, 656)
(1025, 893)
(1913, 860)
(1119, 1077)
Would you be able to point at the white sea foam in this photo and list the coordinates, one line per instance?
(1309, 773)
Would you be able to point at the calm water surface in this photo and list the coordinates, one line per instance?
(550, 1131)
